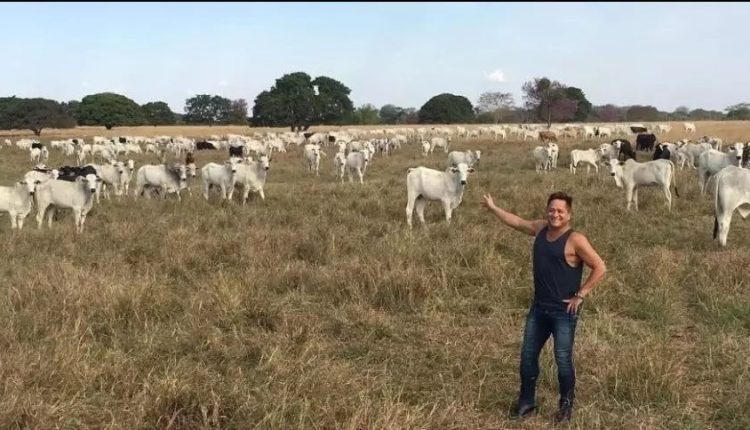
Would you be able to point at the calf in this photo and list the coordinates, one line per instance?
(541, 158)
(424, 184)
(339, 165)
(77, 195)
(626, 150)
(632, 174)
(312, 155)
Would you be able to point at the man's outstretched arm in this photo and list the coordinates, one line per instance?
(525, 226)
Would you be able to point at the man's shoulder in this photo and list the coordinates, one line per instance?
(577, 237)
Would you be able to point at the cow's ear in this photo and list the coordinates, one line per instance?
(454, 170)
(471, 170)
(622, 163)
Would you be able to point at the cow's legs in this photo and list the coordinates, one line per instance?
(420, 204)
(448, 211)
(669, 197)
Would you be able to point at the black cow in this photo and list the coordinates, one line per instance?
(37, 145)
(626, 149)
(645, 142)
(746, 156)
(122, 140)
(662, 152)
(68, 173)
(638, 129)
(204, 145)
(235, 151)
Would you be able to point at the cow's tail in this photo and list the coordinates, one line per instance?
(717, 203)
(674, 178)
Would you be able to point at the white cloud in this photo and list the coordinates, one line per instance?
(223, 83)
(496, 76)
(85, 84)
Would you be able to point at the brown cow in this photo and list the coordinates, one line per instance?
(547, 136)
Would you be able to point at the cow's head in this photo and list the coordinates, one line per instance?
(615, 169)
(264, 162)
(90, 181)
(462, 170)
(30, 184)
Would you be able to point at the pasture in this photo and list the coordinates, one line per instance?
(319, 308)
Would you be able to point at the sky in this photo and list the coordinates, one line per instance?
(664, 54)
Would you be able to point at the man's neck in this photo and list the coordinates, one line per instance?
(555, 232)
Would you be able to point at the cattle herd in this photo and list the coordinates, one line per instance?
(724, 171)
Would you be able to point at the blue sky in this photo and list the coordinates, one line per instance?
(666, 55)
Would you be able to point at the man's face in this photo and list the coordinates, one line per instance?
(558, 214)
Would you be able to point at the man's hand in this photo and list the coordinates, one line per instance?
(487, 201)
(573, 304)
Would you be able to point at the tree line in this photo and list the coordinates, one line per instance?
(296, 100)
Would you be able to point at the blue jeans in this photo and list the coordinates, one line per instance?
(540, 323)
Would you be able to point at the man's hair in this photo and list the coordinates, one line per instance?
(561, 196)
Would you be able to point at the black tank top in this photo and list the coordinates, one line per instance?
(554, 279)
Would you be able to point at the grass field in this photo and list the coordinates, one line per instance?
(319, 308)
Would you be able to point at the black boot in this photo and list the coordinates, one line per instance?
(565, 412)
(522, 411)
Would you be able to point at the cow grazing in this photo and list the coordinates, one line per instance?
(645, 142)
(204, 145)
(17, 201)
(589, 156)
(632, 174)
(731, 192)
(547, 136)
(469, 157)
(424, 184)
(77, 195)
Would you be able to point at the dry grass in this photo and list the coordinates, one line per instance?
(320, 309)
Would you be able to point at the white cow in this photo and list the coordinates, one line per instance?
(589, 156)
(689, 127)
(423, 184)
(221, 175)
(251, 177)
(167, 179)
(17, 201)
(77, 195)
(112, 175)
(312, 155)
(712, 161)
(442, 142)
(39, 155)
(357, 162)
(554, 152)
(541, 158)
(425, 148)
(631, 174)
(469, 157)
(339, 163)
(731, 192)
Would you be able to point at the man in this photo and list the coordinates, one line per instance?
(558, 294)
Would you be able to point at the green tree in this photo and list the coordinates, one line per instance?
(238, 112)
(158, 113)
(642, 113)
(583, 108)
(492, 106)
(541, 95)
(447, 109)
(332, 104)
(207, 109)
(109, 110)
(366, 114)
(390, 114)
(740, 111)
(292, 101)
(33, 114)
